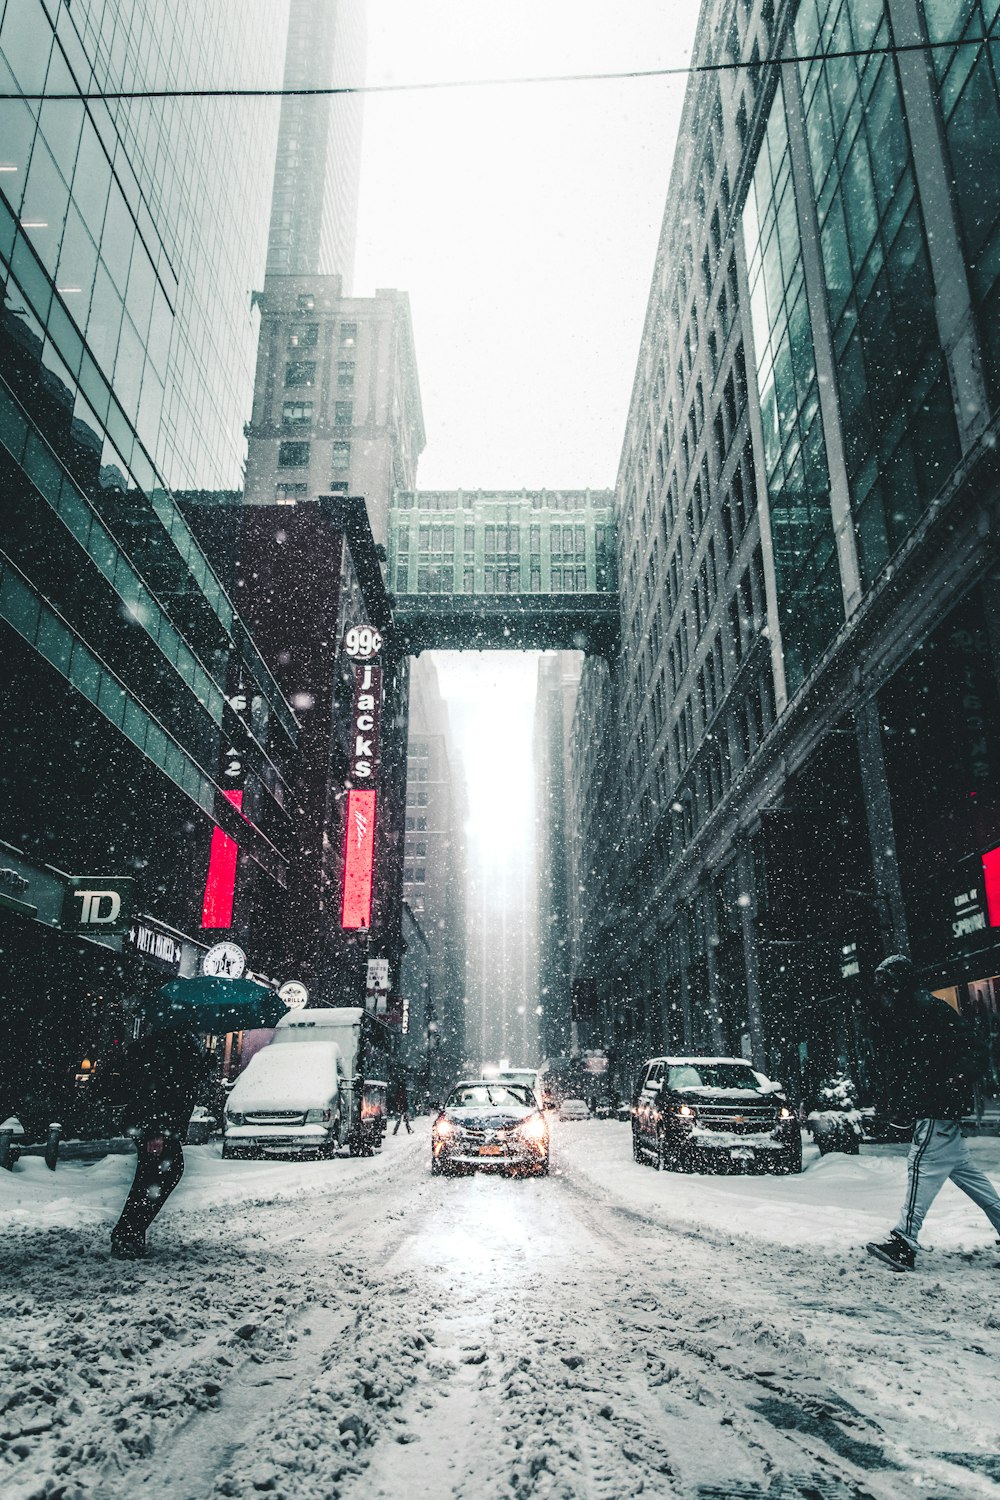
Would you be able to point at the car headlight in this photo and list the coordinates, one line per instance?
(534, 1128)
(784, 1113)
(686, 1111)
(319, 1116)
(235, 1118)
(443, 1126)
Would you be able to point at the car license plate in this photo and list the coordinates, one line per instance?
(741, 1153)
(491, 1151)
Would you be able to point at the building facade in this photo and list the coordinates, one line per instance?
(314, 207)
(337, 407)
(433, 981)
(502, 542)
(127, 344)
(807, 506)
(555, 865)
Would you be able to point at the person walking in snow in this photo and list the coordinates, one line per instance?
(930, 1063)
(400, 1106)
(163, 1075)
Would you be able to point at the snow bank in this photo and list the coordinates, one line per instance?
(837, 1203)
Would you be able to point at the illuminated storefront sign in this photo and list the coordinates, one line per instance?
(359, 859)
(367, 714)
(98, 904)
(991, 879)
(220, 885)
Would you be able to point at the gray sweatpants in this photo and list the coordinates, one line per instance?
(939, 1152)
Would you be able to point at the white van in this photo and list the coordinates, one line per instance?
(306, 1091)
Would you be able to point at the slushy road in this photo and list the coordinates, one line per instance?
(358, 1329)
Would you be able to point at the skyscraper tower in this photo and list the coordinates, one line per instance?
(314, 208)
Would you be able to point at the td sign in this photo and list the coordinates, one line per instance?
(97, 905)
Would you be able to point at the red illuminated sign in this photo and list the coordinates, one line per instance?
(220, 886)
(358, 860)
(991, 877)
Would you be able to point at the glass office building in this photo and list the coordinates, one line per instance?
(806, 506)
(132, 232)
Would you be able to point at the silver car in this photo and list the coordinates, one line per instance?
(490, 1126)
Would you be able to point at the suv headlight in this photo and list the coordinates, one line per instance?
(319, 1116)
(233, 1117)
(784, 1113)
(686, 1111)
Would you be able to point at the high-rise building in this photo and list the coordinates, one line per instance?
(433, 981)
(314, 209)
(555, 850)
(807, 504)
(337, 404)
(130, 233)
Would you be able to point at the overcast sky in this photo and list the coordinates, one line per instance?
(522, 221)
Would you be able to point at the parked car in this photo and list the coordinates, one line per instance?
(574, 1109)
(712, 1113)
(491, 1126)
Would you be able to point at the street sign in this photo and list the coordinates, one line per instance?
(98, 905)
(294, 994)
(224, 961)
(378, 975)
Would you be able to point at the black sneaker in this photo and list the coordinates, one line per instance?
(894, 1251)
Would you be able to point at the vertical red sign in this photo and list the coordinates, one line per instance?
(359, 859)
(991, 877)
(220, 885)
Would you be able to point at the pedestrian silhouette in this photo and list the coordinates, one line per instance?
(400, 1106)
(930, 1062)
(162, 1076)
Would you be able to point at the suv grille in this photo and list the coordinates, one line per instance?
(740, 1119)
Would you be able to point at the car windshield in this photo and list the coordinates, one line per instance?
(473, 1094)
(715, 1075)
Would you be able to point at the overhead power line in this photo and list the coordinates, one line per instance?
(889, 49)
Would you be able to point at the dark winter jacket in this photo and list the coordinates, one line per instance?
(162, 1076)
(929, 1058)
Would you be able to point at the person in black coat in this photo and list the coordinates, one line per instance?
(930, 1062)
(163, 1075)
(399, 1105)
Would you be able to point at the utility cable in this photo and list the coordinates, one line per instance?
(888, 49)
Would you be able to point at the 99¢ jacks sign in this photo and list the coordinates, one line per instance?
(362, 643)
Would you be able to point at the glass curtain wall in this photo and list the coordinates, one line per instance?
(970, 107)
(898, 420)
(807, 580)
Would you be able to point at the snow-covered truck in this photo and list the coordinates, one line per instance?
(318, 1086)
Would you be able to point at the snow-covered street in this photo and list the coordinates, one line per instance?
(354, 1328)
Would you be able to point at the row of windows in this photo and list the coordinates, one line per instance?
(565, 542)
(441, 580)
(302, 372)
(297, 455)
(300, 413)
(473, 499)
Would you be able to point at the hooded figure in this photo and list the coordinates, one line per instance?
(930, 1062)
(159, 1087)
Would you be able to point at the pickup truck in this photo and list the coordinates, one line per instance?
(317, 1087)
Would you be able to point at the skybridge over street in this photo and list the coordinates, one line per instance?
(489, 570)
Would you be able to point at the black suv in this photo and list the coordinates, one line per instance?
(694, 1114)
